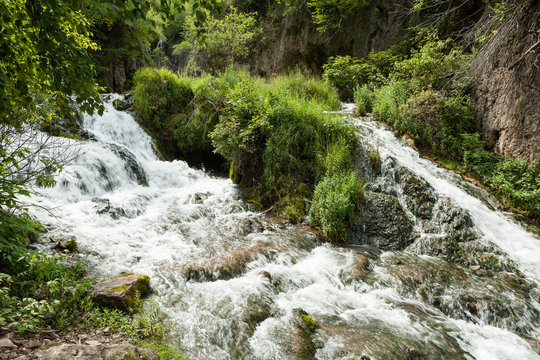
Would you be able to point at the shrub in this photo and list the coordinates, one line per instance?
(309, 89)
(336, 201)
(388, 99)
(346, 72)
(363, 98)
(437, 122)
(158, 95)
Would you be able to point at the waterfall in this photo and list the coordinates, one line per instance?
(231, 281)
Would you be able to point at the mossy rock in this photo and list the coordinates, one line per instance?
(121, 291)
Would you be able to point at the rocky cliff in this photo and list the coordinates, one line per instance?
(506, 74)
(292, 40)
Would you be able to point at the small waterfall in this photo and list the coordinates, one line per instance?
(232, 282)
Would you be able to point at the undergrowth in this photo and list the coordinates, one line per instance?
(272, 132)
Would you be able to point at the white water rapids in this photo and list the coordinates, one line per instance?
(131, 212)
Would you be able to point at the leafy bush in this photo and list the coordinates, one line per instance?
(388, 100)
(16, 230)
(47, 292)
(310, 89)
(336, 201)
(227, 40)
(328, 14)
(432, 62)
(363, 98)
(437, 122)
(346, 73)
(158, 95)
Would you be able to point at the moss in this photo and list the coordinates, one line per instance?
(312, 324)
(234, 175)
(120, 288)
(165, 349)
(256, 203)
(71, 245)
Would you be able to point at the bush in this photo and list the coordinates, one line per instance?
(309, 89)
(47, 292)
(336, 201)
(437, 122)
(158, 95)
(346, 73)
(363, 98)
(388, 99)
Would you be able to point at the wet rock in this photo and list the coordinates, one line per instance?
(119, 104)
(68, 243)
(132, 166)
(198, 198)
(382, 185)
(103, 206)
(120, 291)
(419, 195)
(250, 225)
(384, 223)
(502, 299)
(453, 220)
(359, 270)
(303, 345)
(228, 266)
(96, 352)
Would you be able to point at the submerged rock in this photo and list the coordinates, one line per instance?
(419, 195)
(69, 244)
(121, 291)
(96, 352)
(384, 223)
(228, 266)
(501, 299)
(132, 166)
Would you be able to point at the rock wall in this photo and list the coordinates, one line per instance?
(292, 40)
(506, 74)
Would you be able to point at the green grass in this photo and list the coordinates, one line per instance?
(273, 132)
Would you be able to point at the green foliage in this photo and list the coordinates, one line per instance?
(388, 100)
(511, 179)
(45, 57)
(47, 292)
(363, 98)
(336, 201)
(347, 73)
(437, 122)
(329, 14)
(432, 62)
(15, 232)
(309, 89)
(274, 133)
(227, 40)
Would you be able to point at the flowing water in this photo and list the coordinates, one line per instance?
(231, 282)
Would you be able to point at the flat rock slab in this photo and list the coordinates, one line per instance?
(120, 291)
(96, 352)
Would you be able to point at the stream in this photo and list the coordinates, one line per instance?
(235, 284)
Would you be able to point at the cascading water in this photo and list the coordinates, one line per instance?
(232, 283)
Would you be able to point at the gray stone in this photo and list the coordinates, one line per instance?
(87, 352)
(384, 223)
(419, 195)
(6, 343)
(120, 291)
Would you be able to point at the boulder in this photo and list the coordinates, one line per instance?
(384, 223)
(419, 195)
(96, 352)
(120, 291)
(448, 218)
(69, 244)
